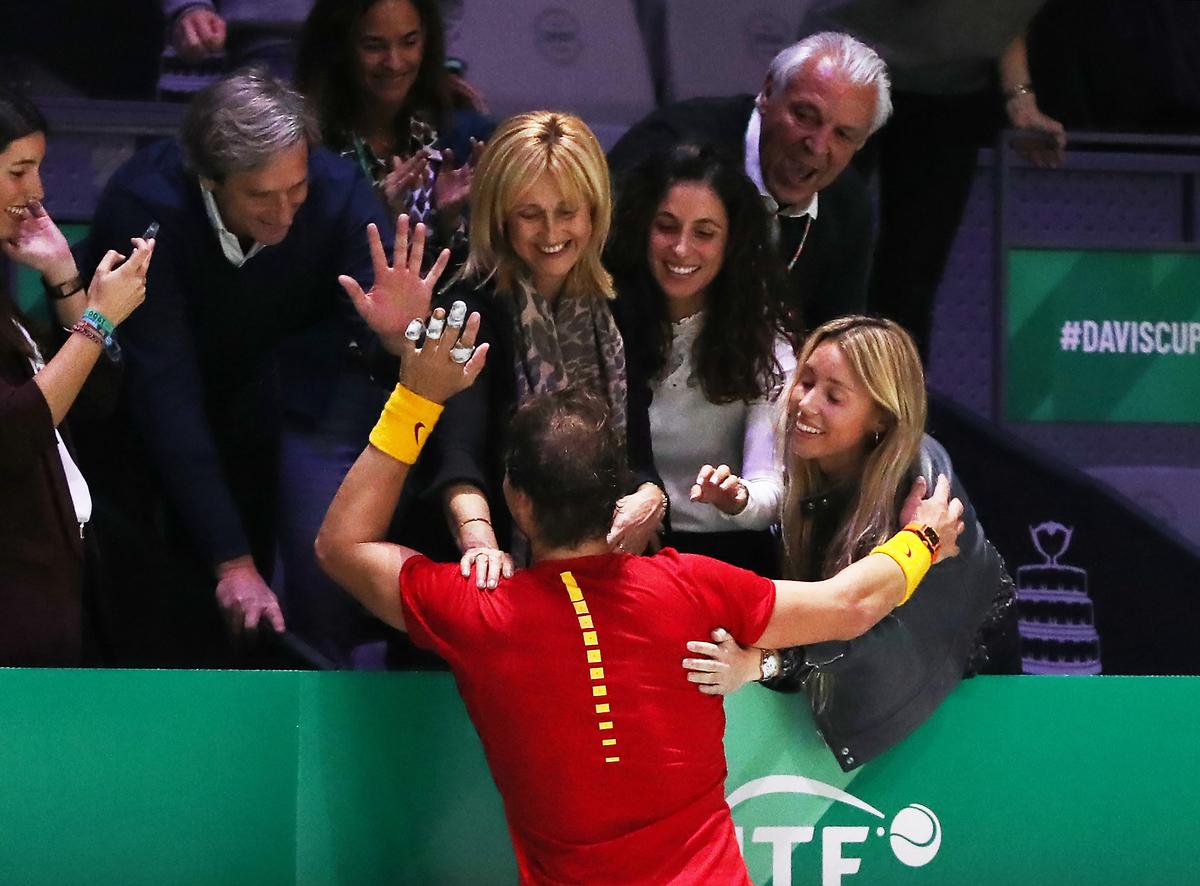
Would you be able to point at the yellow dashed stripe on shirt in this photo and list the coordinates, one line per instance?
(591, 642)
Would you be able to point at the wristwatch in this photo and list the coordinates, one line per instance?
(63, 290)
(927, 535)
(768, 665)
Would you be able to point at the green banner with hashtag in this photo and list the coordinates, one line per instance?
(1102, 335)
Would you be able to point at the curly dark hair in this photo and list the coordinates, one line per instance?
(744, 305)
(325, 70)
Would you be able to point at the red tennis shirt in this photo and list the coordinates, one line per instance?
(610, 762)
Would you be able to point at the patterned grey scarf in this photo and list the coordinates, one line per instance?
(573, 342)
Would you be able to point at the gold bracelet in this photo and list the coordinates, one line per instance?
(405, 424)
(911, 555)
(1017, 91)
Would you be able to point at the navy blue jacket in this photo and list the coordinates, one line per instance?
(202, 387)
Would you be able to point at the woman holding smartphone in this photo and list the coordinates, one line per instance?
(44, 500)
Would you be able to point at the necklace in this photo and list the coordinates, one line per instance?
(803, 239)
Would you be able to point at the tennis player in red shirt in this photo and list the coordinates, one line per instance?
(611, 766)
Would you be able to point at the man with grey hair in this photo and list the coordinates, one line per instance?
(820, 100)
(245, 358)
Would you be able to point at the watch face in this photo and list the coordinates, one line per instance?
(932, 536)
(769, 666)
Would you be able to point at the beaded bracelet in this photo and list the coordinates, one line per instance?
(88, 331)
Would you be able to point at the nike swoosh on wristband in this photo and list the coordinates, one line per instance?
(417, 436)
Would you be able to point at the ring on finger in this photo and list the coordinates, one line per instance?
(461, 353)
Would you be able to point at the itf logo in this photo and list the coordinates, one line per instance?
(914, 834)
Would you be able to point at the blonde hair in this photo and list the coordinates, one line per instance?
(522, 149)
(888, 366)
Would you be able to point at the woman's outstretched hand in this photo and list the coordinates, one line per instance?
(721, 488)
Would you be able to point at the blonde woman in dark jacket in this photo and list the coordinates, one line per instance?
(852, 433)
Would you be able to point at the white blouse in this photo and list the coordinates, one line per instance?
(81, 496)
(688, 431)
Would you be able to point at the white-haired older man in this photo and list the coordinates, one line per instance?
(820, 100)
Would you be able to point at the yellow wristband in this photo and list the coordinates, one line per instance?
(404, 425)
(911, 555)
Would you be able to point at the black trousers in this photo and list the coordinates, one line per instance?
(926, 157)
(755, 550)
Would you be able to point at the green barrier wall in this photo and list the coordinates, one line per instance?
(156, 777)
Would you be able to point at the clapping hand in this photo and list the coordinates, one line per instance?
(453, 186)
(406, 175)
(400, 294)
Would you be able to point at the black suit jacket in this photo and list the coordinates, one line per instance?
(830, 277)
(41, 551)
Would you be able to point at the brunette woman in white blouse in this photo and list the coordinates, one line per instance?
(699, 308)
(44, 499)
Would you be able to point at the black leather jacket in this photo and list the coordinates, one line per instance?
(868, 694)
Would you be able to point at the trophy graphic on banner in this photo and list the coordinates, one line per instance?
(1056, 618)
